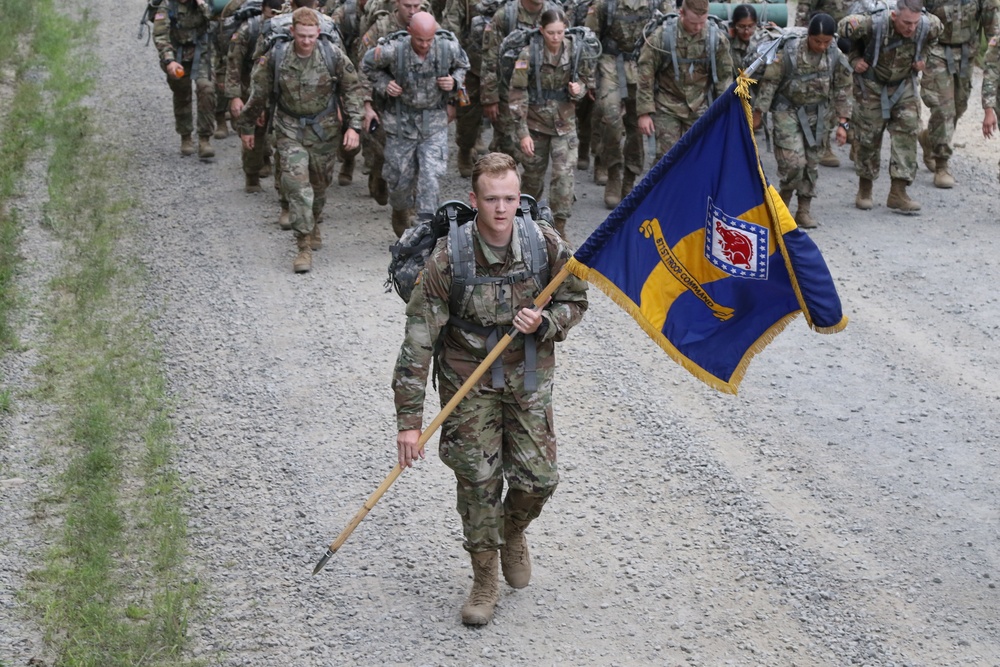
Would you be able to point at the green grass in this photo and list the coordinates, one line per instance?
(112, 590)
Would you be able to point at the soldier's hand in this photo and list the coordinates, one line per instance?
(758, 119)
(861, 66)
(528, 320)
(393, 89)
(446, 83)
(235, 107)
(248, 141)
(841, 136)
(528, 146)
(990, 123)
(918, 66)
(351, 139)
(173, 69)
(451, 111)
(491, 111)
(646, 125)
(574, 88)
(409, 451)
(370, 115)
(262, 119)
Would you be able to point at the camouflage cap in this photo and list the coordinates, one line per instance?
(696, 6)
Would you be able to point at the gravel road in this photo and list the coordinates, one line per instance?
(842, 510)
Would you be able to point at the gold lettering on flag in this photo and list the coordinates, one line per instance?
(651, 228)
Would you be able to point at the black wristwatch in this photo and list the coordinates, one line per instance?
(846, 125)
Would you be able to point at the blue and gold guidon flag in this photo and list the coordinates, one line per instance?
(705, 255)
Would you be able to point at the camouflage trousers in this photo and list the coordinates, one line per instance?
(413, 169)
(219, 63)
(469, 119)
(947, 96)
(618, 120)
(562, 150)
(869, 126)
(255, 158)
(204, 84)
(306, 172)
(669, 130)
(797, 160)
(588, 127)
(505, 132)
(373, 146)
(494, 435)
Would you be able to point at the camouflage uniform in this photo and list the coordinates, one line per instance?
(490, 89)
(239, 64)
(617, 76)
(805, 9)
(459, 16)
(679, 97)
(181, 34)
(373, 143)
(221, 63)
(415, 122)
(494, 433)
(894, 76)
(991, 75)
(946, 83)
(545, 110)
(804, 90)
(307, 148)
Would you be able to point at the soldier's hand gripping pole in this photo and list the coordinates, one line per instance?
(540, 301)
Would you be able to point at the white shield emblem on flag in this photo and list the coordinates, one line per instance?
(735, 246)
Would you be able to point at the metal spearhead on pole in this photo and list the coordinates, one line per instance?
(435, 424)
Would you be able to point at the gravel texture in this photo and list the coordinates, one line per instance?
(840, 511)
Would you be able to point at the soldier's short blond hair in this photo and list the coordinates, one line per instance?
(494, 165)
(695, 6)
(305, 16)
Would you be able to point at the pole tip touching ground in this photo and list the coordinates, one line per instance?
(322, 562)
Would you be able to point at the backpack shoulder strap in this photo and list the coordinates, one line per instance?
(462, 257)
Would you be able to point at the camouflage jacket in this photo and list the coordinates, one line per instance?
(306, 88)
(688, 91)
(177, 28)
(837, 9)
(810, 80)
(239, 59)
(461, 351)
(895, 64)
(963, 20)
(458, 18)
(622, 33)
(347, 16)
(555, 112)
(991, 74)
(421, 100)
(383, 27)
(496, 30)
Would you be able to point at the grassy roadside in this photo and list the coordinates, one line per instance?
(112, 589)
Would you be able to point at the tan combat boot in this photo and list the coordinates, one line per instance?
(559, 224)
(613, 188)
(485, 593)
(252, 183)
(187, 145)
(786, 195)
(465, 162)
(303, 261)
(316, 239)
(802, 217)
(205, 150)
(266, 171)
(927, 150)
(864, 199)
(285, 218)
(400, 221)
(346, 174)
(828, 158)
(628, 182)
(514, 558)
(898, 200)
(221, 129)
(942, 177)
(600, 171)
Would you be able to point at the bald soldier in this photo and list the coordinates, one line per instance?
(418, 73)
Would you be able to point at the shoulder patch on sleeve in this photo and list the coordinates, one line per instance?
(263, 59)
(993, 41)
(488, 27)
(366, 40)
(160, 16)
(378, 52)
(853, 22)
(521, 64)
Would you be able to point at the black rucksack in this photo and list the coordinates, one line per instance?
(410, 252)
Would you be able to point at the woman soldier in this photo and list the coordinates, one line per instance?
(808, 75)
(550, 76)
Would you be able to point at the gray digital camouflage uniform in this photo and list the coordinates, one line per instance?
(308, 148)
(898, 110)
(546, 111)
(494, 433)
(677, 97)
(415, 122)
(799, 98)
(181, 34)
